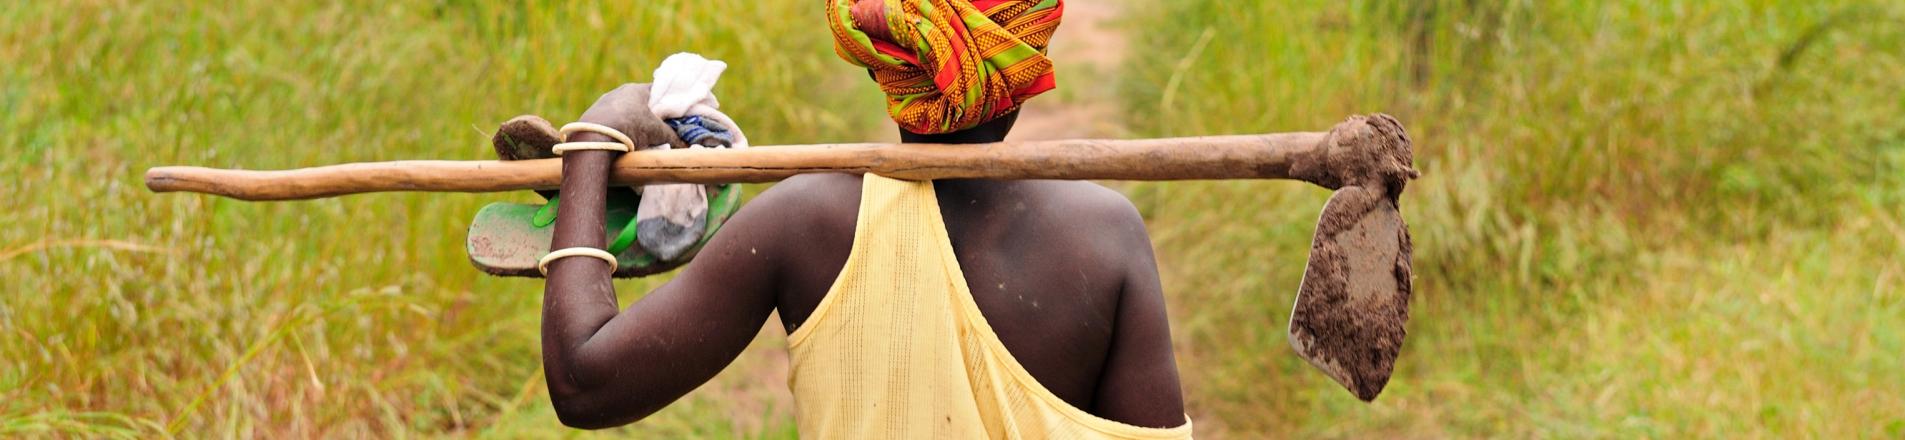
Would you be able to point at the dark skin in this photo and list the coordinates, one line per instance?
(1062, 270)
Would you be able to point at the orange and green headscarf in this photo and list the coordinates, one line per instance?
(949, 65)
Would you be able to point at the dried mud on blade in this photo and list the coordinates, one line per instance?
(1354, 301)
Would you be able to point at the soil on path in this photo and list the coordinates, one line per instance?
(1088, 51)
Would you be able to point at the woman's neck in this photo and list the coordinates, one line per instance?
(992, 131)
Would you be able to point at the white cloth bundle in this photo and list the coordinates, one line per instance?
(672, 217)
(684, 86)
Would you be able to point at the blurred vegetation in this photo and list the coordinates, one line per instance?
(1637, 218)
(130, 313)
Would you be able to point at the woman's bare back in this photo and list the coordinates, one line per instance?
(1050, 264)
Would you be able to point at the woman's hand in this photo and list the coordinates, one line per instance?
(625, 109)
(672, 217)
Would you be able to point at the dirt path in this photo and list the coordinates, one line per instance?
(1088, 50)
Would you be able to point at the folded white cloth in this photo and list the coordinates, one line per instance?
(672, 217)
(684, 86)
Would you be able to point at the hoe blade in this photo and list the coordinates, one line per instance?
(1354, 300)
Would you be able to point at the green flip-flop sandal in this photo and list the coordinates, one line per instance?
(507, 239)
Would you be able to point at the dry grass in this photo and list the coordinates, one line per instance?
(344, 317)
(1638, 218)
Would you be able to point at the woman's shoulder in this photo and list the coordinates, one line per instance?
(1077, 202)
(811, 196)
(806, 210)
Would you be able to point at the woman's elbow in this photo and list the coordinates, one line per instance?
(592, 412)
(574, 412)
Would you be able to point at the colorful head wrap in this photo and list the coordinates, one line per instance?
(949, 65)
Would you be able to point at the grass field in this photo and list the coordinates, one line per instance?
(128, 312)
(1659, 219)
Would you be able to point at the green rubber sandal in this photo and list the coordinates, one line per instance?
(507, 239)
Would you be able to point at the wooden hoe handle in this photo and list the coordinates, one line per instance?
(1214, 157)
(1265, 156)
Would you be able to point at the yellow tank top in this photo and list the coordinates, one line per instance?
(898, 349)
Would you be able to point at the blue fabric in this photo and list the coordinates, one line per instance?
(698, 131)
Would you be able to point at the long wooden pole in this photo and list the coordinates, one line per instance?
(1265, 156)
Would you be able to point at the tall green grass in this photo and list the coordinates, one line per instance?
(134, 314)
(1659, 219)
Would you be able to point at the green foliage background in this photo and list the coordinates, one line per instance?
(1654, 219)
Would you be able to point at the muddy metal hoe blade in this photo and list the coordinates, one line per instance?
(1354, 299)
(1350, 309)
